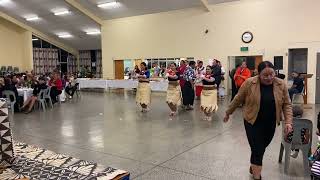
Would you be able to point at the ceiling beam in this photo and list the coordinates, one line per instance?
(85, 11)
(41, 35)
(206, 5)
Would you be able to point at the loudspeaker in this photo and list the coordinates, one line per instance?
(278, 62)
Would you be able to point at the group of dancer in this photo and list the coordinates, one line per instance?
(181, 82)
(264, 99)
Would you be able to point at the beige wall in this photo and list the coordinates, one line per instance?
(15, 46)
(276, 26)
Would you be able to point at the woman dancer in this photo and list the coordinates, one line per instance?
(208, 94)
(143, 91)
(174, 90)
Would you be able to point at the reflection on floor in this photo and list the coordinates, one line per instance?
(108, 129)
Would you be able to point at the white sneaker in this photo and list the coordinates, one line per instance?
(70, 97)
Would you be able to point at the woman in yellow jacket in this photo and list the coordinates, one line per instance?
(264, 98)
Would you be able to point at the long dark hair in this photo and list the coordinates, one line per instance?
(263, 65)
(145, 65)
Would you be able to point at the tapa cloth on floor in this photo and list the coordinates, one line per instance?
(209, 100)
(6, 147)
(174, 94)
(36, 163)
(143, 95)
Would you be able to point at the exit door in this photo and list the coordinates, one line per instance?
(318, 80)
(119, 69)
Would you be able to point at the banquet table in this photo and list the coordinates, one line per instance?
(161, 85)
(25, 93)
(130, 84)
(92, 83)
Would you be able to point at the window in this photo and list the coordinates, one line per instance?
(165, 61)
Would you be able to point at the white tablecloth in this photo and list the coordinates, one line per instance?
(25, 92)
(129, 84)
(92, 83)
(123, 84)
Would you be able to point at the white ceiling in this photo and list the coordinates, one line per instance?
(77, 23)
(139, 7)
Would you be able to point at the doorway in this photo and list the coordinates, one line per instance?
(318, 79)
(297, 61)
(252, 63)
(119, 69)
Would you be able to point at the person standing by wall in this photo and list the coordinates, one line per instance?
(265, 100)
(216, 72)
(188, 88)
(242, 74)
(201, 70)
(233, 83)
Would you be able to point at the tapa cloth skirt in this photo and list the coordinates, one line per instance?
(143, 95)
(209, 100)
(174, 94)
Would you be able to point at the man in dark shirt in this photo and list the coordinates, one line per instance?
(297, 86)
(216, 72)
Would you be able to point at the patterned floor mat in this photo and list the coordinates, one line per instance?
(37, 163)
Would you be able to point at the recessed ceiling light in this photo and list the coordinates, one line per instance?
(93, 32)
(65, 35)
(32, 18)
(35, 39)
(4, 1)
(109, 5)
(59, 13)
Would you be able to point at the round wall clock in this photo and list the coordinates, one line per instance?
(247, 37)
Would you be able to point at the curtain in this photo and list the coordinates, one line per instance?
(99, 63)
(72, 64)
(45, 60)
(85, 59)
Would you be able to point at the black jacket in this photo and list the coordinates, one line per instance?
(216, 72)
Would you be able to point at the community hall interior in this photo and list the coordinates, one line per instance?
(128, 89)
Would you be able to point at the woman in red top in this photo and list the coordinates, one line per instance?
(56, 87)
(241, 75)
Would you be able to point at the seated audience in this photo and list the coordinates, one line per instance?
(29, 81)
(1, 86)
(40, 85)
(56, 86)
(8, 86)
(71, 88)
(297, 86)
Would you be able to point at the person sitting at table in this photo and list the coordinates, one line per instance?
(1, 86)
(29, 81)
(40, 85)
(71, 88)
(297, 86)
(56, 86)
(8, 86)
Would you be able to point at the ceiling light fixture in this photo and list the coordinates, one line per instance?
(65, 35)
(61, 12)
(108, 4)
(33, 18)
(93, 32)
(35, 39)
(4, 1)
